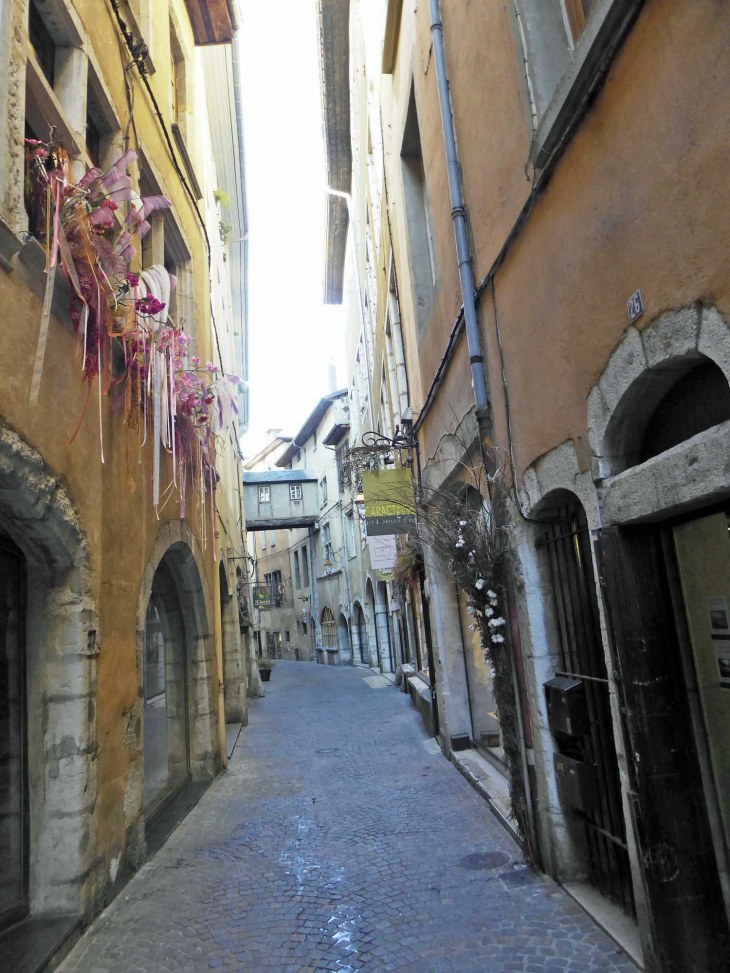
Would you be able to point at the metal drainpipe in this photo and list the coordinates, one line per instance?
(458, 214)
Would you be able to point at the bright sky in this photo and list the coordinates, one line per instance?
(293, 336)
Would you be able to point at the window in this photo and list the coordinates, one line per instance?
(350, 531)
(264, 494)
(326, 542)
(423, 264)
(305, 567)
(42, 44)
(263, 540)
(276, 641)
(297, 575)
(299, 627)
(329, 630)
(304, 628)
(576, 14)
(273, 538)
(295, 491)
(270, 644)
(323, 491)
(287, 637)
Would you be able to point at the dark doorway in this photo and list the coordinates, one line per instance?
(648, 628)
(13, 760)
(166, 732)
(566, 542)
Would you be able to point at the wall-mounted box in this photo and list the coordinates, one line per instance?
(576, 783)
(566, 704)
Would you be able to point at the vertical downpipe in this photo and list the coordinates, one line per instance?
(458, 215)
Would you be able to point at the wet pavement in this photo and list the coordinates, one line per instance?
(339, 841)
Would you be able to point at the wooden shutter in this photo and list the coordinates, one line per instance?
(684, 897)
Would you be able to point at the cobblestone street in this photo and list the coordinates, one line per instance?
(339, 841)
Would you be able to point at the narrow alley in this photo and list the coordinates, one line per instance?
(341, 839)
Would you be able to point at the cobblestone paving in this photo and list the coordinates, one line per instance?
(337, 842)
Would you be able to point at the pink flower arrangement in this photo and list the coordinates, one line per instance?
(149, 306)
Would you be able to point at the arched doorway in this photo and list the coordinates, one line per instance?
(329, 637)
(659, 432)
(382, 627)
(372, 629)
(360, 635)
(179, 738)
(580, 662)
(48, 637)
(343, 639)
(165, 683)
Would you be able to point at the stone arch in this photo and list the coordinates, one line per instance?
(343, 638)
(373, 640)
(641, 371)
(179, 547)
(234, 663)
(61, 649)
(359, 633)
(382, 624)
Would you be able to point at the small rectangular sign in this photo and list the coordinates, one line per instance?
(635, 306)
(389, 502)
(383, 552)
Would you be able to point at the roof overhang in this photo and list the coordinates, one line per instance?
(336, 433)
(214, 21)
(280, 523)
(334, 31)
(267, 477)
(313, 420)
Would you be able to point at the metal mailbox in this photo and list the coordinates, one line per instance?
(566, 703)
(576, 783)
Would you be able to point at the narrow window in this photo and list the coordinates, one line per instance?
(43, 45)
(263, 540)
(297, 574)
(273, 538)
(423, 264)
(323, 491)
(305, 567)
(264, 494)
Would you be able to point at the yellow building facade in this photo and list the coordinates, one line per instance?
(121, 635)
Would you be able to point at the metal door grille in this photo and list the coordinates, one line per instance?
(567, 542)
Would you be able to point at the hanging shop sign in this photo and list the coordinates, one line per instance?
(264, 595)
(383, 552)
(389, 502)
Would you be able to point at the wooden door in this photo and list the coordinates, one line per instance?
(681, 881)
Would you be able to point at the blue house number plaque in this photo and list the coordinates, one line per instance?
(635, 306)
